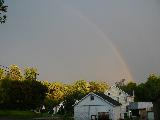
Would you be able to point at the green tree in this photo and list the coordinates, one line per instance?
(5, 86)
(34, 93)
(148, 90)
(75, 92)
(15, 73)
(30, 73)
(26, 94)
(3, 9)
(1, 73)
(55, 94)
(129, 88)
(98, 86)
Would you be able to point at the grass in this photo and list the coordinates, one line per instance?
(26, 115)
(18, 114)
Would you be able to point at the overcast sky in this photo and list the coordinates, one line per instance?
(69, 40)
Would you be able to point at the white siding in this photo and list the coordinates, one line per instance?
(120, 96)
(87, 107)
(81, 113)
(117, 113)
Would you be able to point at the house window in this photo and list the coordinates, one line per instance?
(93, 117)
(119, 93)
(118, 99)
(92, 97)
(125, 98)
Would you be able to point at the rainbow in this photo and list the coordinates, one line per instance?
(105, 38)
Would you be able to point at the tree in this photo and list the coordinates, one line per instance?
(98, 86)
(148, 90)
(26, 94)
(34, 93)
(1, 73)
(30, 73)
(55, 94)
(15, 72)
(152, 86)
(5, 85)
(129, 88)
(3, 9)
(74, 92)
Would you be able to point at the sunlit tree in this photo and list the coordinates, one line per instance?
(1, 73)
(30, 73)
(98, 86)
(15, 73)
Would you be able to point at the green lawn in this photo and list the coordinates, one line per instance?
(28, 115)
(18, 114)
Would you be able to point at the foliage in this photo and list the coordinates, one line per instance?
(79, 89)
(151, 88)
(15, 73)
(24, 91)
(144, 91)
(129, 88)
(98, 86)
(1, 73)
(3, 9)
(27, 94)
(55, 94)
(30, 73)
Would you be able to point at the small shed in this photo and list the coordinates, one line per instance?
(143, 110)
(97, 106)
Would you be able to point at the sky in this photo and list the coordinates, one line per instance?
(68, 40)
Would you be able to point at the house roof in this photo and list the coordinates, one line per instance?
(109, 99)
(102, 96)
(118, 89)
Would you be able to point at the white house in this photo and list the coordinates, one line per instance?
(120, 96)
(97, 106)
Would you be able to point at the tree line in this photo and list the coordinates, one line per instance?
(145, 91)
(22, 90)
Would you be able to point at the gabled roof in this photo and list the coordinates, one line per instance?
(118, 89)
(103, 97)
(109, 99)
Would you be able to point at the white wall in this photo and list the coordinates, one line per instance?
(84, 109)
(121, 97)
(117, 113)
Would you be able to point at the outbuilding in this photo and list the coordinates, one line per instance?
(97, 106)
(143, 110)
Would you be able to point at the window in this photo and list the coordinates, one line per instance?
(125, 98)
(108, 93)
(118, 99)
(92, 97)
(119, 93)
(93, 117)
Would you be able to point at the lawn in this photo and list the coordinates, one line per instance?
(15, 114)
(29, 115)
